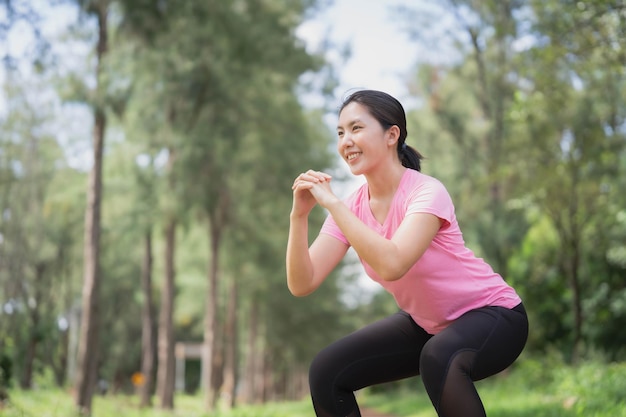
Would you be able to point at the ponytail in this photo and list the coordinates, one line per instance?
(409, 157)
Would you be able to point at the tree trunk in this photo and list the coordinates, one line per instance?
(147, 326)
(492, 94)
(88, 340)
(252, 354)
(35, 322)
(573, 263)
(231, 357)
(574, 281)
(166, 368)
(210, 320)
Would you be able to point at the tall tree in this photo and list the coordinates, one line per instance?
(491, 29)
(166, 366)
(470, 97)
(578, 70)
(147, 324)
(87, 370)
(551, 80)
(220, 100)
(29, 165)
(29, 231)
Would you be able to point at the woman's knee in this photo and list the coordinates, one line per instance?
(316, 372)
(322, 370)
(329, 398)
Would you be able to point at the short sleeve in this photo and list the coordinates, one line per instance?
(330, 228)
(433, 198)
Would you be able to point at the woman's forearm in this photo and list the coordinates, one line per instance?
(298, 260)
(379, 252)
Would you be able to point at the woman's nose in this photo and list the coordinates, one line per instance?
(346, 140)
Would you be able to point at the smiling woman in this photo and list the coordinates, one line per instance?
(369, 112)
(457, 317)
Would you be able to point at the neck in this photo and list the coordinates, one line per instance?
(383, 185)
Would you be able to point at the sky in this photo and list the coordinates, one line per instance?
(383, 53)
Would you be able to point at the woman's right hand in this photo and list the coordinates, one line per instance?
(308, 267)
(303, 200)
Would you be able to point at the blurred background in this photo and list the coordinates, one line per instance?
(147, 151)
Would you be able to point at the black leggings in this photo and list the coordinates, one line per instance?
(478, 344)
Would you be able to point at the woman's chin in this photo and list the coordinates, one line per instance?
(355, 170)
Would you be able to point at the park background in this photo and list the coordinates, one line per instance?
(147, 149)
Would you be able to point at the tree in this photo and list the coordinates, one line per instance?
(546, 77)
(214, 100)
(579, 94)
(470, 97)
(147, 322)
(89, 335)
(34, 244)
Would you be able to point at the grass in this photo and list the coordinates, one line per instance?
(533, 389)
(58, 403)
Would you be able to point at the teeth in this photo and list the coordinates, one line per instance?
(352, 156)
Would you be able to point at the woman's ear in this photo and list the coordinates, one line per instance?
(393, 134)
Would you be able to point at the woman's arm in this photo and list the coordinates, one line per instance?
(390, 258)
(308, 267)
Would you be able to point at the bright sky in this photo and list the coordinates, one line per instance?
(383, 55)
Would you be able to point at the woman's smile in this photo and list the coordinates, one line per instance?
(351, 156)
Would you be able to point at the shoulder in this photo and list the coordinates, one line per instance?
(419, 183)
(426, 194)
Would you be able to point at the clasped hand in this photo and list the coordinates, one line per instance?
(309, 188)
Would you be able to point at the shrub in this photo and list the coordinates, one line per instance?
(594, 388)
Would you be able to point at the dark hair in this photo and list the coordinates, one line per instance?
(389, 112)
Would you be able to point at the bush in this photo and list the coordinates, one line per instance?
(594, 388)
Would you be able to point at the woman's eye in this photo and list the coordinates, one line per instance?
(355, 128)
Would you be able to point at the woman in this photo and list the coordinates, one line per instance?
(458, 321)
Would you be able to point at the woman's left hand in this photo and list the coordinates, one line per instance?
(318, 184)
(323, 193)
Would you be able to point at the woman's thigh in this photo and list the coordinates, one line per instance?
(494, 335)
(384, 351)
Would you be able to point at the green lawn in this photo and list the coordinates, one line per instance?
(57, 403)
(498, 404)
(534, 389)
(531, 390)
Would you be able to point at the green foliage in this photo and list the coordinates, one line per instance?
(594, 388)
(531, 145)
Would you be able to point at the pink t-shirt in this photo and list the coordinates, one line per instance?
(448, 280)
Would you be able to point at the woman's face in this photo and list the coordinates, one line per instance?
(362, 141)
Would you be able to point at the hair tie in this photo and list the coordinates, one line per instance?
(404, 146)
